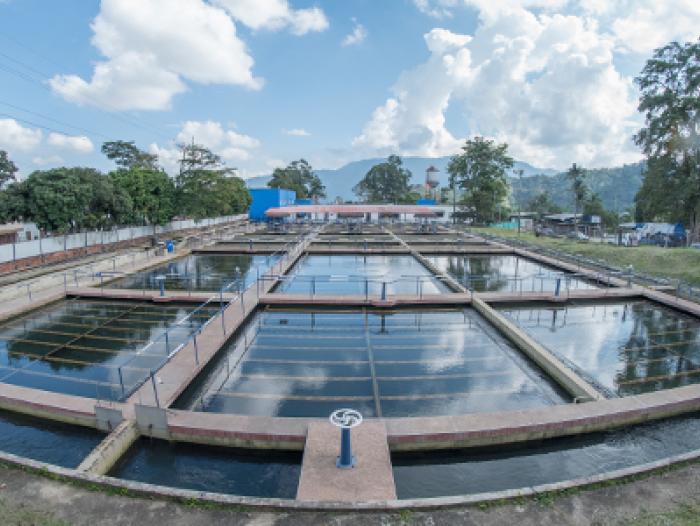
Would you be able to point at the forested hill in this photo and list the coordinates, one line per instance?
(340, 182)
(616, 187)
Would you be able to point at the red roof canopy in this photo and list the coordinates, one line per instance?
(350, 210)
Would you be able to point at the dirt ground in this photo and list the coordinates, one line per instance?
(667, 498)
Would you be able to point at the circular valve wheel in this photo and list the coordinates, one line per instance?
(345, 418)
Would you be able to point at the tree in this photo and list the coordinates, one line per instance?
(386, 182)
(73, 199)
(8, 169)
(669, 87)
(127, 156)
(577, 178)
(300, 177)
(480, 172)
(13, 203)
(152, 193)
(206, 187)
(542, 205)
(593, 206)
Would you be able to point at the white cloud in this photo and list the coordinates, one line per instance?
(274, 15)
(168, 157)
(356, 37)
(412, 122)
(436, 8)
(53, 160)
(80, 144)
(643, 25)
(638, 25)
(15, 137)
(544, 83)
(297, 132)
(227, 143)
(275, 163)
(152, 47)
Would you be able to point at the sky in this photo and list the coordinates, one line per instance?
(265, 82)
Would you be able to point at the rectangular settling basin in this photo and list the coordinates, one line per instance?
(506, 273)
(383, 363)
(92, 348)
(52, 442)
(350, 274)
(273, 474)
(626, 347)
(200, 272)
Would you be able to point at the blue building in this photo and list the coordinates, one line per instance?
(266, 198)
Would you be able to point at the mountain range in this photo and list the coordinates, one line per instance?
(616, 186)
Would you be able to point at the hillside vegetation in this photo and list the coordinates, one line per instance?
(615, 186)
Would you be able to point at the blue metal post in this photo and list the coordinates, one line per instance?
(556, 290)
(383, 290)
(121, 380)
(345, 460)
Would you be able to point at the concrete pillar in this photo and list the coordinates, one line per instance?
(110, 450)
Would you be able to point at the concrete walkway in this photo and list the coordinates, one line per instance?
(370, 480)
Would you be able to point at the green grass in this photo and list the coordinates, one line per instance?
(673, 263)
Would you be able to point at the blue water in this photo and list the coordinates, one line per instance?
(220, 470)
(505, 273)
(301, 363)
(200, 272)
(346, 274)
(626, 347)
(447, 473)
(60, 444)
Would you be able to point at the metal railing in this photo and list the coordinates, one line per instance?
(84, 275)
(224, 298)
(368, 286)
(679, 288)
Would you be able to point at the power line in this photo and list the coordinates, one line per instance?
(40, 115)
(30, 123)
(132, 121)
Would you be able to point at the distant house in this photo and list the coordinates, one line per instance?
(17, 232)
(566, 223)
(661, 234)
(526, 220)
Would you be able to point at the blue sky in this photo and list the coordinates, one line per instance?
(264, 82)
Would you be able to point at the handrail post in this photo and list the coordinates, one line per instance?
(121, 380)
(155, 389)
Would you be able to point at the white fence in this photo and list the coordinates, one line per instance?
(48, 245)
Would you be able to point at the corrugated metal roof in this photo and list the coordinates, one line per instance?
(350, 210)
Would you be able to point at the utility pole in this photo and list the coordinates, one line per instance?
(520, 187)
(454, 199)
